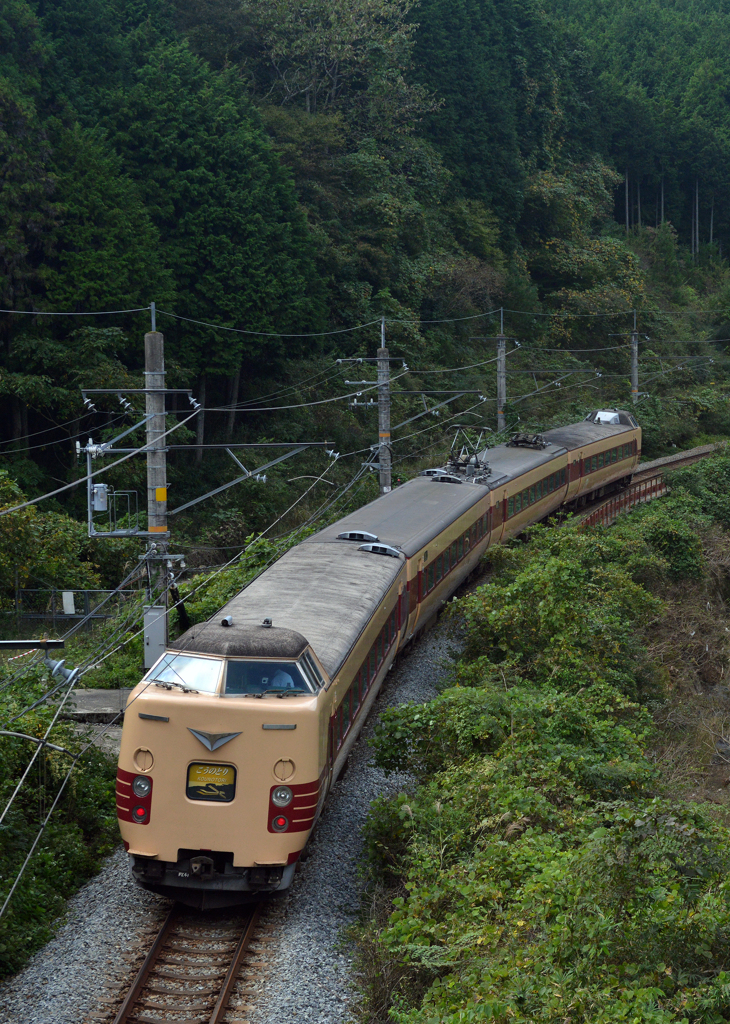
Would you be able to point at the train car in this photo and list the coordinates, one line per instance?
(233, 739)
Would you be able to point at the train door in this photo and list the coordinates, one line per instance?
(498, 513)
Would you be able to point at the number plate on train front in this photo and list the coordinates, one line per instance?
(216, 782)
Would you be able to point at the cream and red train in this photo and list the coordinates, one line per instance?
(232, 741)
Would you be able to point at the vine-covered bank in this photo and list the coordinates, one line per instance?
(562, 853)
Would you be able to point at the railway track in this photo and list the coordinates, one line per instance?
(200, 969)
(648, 484)
(669, 462)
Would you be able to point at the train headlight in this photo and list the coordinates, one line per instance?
(142, 786)
(281, 797)
(280, 823)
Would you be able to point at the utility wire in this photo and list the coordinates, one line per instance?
(270, 334)
(101, 312)
(52, 444)
(302, 405)
(104, 469)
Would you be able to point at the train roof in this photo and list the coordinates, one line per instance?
(576, 435)
(240, 641)
(409, 516)
(324, 592)
(507, 462)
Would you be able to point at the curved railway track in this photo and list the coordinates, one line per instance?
(199, 970)
(648, 483)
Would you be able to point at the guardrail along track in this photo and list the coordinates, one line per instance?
(647, 485)
(195, 972)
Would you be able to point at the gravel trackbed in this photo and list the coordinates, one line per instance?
(110, 922)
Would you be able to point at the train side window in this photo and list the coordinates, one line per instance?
(525, 500)
(473, 535)
(363, 677)
(613, 455)
(485, 519)
(460, 548)
(446, 561)
(518, 502)
(562, 476)
(313, 666)
(510, 507)
(532, 495)
(430, 579)
(479, 528)
(345, 714)
(393, 624)
(372, 666)
(600, 460)
(466, 542)
(355, 697)
(439, 568)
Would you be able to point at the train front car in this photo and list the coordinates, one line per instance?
(220, 774)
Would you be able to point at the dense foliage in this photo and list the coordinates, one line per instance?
(82, 829)
(538, 870)
(278, 168)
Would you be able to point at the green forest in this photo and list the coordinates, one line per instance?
(283, 181)
(303, 171)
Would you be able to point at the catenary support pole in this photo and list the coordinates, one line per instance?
(634, 363)
(384, 412)
(154, 358)
(154, 376)
(501, 374)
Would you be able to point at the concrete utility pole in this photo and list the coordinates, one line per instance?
(154, 375)
(155, 616)
(384, 412)
(501, 374)
(634, 363)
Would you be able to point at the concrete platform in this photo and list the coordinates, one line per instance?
(97, 707)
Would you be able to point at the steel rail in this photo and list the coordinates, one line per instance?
(232, 976)
(144, 972)
(134, 1006)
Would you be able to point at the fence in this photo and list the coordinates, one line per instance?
(49, 604)
(635, 494)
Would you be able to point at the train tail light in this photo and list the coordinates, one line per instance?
(280, 823)
(139, 813)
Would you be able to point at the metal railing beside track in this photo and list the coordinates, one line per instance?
(636, 494)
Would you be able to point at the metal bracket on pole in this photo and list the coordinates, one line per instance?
(232, 483)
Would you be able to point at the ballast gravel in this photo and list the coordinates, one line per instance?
(306, 975)
(97, 945)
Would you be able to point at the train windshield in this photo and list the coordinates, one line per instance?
(260, 677)
(200, 674)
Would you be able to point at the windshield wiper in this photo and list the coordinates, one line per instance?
(167, 685)
(280, 693)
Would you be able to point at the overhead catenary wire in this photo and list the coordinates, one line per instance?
(301, 405)
(98, 472)
(99, 312)
(269, 334)
(53, 444)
